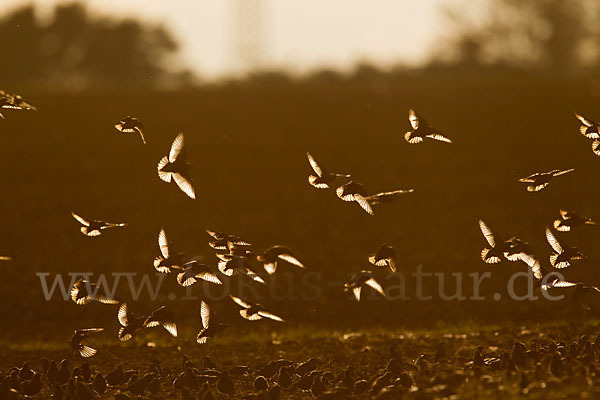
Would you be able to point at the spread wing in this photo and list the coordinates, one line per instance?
(553, 241)
(204, 314)
(487, 233)
(239, 302)
(314, 165)
(375, 286)
(80, 219)
(122, 314)
(163, 243)
(185, 185)
(176, 148)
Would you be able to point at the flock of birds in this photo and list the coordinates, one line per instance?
(236, 256)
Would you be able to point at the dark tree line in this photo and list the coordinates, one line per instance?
(76, 49)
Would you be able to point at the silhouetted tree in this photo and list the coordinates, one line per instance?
(557, 35)
(76, 49)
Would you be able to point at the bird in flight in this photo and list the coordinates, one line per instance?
(221, 240)
(569, 220)
(131, 125)
(209, 330)
(274, 254)
(385, 257)
(515, 247)
(421, 130)
(495, 253)
(84, 292)
(130, 323)
(356, 192)
(540, 180)
(166, 261)
(163, 317)
(359, 280)
(90, 227)
(76, 342)
(322, 177)
(563, 255)
(13, 102)
(590, 129)
(254, 312)
(194, 271)
(174, 167)
(231, 265)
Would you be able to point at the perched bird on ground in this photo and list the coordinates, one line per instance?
(84, 292)
(353, 191)
(130, 323)
(222, 240)
(166, 262)
(174, 167)
(76, 341)
(163, 317)
(563, 255)
(495, 253)
(93, 227)
(194, 271)
(99, 384)
(385, 257)
(254, 312)
(274, 254)
(422, 130)
(131, 125)
(209, 329)
(363, 278)
(323, 178)
(540, 180)
(569, 220)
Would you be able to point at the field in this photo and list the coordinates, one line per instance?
(248, 145)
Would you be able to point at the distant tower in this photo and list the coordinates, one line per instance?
(248, 39)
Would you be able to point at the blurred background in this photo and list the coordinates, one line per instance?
(254, 84)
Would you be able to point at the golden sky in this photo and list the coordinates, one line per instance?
(298, 35)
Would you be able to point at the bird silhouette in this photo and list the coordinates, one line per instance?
(360, 279)
(131, 125)
(167, 261)
(209, 330)
(322, 177)
(353, 191)
(254, 312)
(563, 254)
(540, 180)
(569, 220)
(175, 167)
(83, 292)
(76, 341)
(273, 254)
(163, 317)
(194, 271)
(130, 323)
(421, 130)
(94, 227)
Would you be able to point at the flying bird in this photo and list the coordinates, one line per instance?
(131, 125)
(569, 220)
(322, 177)
(385, 257)
(209, 330)
(563, 255)
(222, 239)
(163, 317)
(274, 254)
(231, 265)
(174, 167)
(92, 227)
(13, 102)
(194, 271)
(167, 261)
(359, 280)
(254, 312)
(353, 191)
(84, 292)
(421, 130)
(515, 247)
(130, 323)
(495, 253)
(590, 129)
(540, 180)
(76, 341)
(385, 197)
